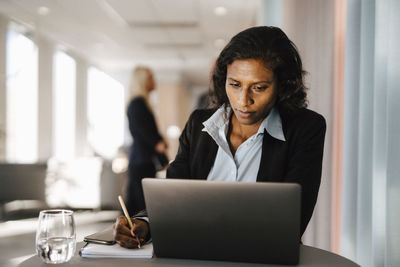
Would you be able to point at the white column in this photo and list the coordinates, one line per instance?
(45, 98)
(371, 217)
(386, 198)
(392, 257)
(81, 144)
(3, 95)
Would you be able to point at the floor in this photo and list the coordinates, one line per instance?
(17, 238)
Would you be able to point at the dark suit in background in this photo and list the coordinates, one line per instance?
(297, 160)
(142, 157)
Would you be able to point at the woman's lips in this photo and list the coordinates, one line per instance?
(244, 114)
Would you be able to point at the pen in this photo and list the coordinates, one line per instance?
(121, 201)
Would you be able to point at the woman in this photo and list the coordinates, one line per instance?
(148, 145)
(261, 129)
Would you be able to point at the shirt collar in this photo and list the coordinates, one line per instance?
(273, 124)
(220, 119)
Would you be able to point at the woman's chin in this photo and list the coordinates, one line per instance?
(247, 120)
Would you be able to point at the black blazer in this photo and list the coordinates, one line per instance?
(143, 128)
(298, 159)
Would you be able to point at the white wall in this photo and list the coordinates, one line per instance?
(45, 98)
(173, 100)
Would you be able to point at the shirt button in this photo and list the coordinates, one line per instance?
(232, 172)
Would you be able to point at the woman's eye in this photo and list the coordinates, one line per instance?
(260, 88)
(234, 84)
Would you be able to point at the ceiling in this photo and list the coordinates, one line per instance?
(171, 36)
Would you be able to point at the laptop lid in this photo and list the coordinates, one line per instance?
(229, 221)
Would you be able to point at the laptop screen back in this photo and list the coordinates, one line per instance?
(230, 221)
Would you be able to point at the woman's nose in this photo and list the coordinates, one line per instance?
(245, 98)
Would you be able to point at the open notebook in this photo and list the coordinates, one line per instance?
(92, 250)
(102, 245)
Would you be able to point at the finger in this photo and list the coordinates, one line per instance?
(119, 236)
(122, 219)
(122, 226)
(143, 230)
(139, 229)
(121, 230)
(124, 231)
(125, 239)
(133, 234)
(137, 225)
(128, 243)
(124, 244)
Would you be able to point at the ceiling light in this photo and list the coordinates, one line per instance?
(220, 11)
(173, 131)
(43, 10)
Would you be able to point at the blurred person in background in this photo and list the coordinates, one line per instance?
(148, 151)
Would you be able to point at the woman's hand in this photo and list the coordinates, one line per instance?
(130, 238)
(161, 147)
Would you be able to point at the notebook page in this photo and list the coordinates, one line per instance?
(116, 251)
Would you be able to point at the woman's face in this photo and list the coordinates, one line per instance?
(251, 90)
(150, 82)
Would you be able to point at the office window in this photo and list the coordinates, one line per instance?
(106, 111)
(64, 106)
(22, 98)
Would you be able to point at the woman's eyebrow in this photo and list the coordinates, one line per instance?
(229, 78)
(266, 81)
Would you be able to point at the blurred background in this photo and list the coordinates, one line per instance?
(65, 67)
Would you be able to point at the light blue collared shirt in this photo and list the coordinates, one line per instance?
(244, 165)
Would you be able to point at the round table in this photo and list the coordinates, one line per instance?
(309, 256)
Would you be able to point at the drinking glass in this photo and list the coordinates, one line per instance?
(55, 236)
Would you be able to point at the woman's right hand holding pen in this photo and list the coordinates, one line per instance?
(128, 238)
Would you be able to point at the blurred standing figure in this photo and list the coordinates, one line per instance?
(148, 148)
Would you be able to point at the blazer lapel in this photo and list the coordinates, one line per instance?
(204, 157)
(272, 163)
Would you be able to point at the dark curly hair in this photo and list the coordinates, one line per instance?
(278, 53)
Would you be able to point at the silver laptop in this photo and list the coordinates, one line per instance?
(228, 221)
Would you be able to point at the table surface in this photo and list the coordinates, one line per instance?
(309, 256)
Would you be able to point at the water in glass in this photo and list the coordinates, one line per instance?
(55, 237)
